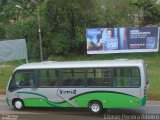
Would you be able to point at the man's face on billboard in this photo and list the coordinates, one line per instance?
(109, 33)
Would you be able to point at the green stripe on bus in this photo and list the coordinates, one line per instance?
(101, 91)
(144, 100)
(108, 100)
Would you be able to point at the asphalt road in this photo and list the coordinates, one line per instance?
(152, 109)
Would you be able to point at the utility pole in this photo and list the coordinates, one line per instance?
(40, 38)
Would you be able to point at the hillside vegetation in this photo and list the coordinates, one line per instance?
(63, 23)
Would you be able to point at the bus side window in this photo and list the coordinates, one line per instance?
(73, 77)
(67, 77)
(99, 77)
(121, 77)
(91, 78)
(107, 77)
(79, 77)
(52, 76)
(47, 77)
(42, 78)
(134, 77)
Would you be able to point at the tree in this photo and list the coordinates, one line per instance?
(69, 20)
(148, 11)
(14, 10)
(64, 23)
(2, 33)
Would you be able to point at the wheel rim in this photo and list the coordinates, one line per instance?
(95, 107)
(18, 104)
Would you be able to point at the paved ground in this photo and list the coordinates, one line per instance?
(2, 96)
(152, 109)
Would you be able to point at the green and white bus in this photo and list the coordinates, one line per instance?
(85, 84)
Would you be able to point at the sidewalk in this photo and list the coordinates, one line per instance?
(153, 102)
(2, 97)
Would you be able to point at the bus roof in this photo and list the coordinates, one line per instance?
(81, 64)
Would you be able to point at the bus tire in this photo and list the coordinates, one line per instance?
(95, 107)
(18, 104)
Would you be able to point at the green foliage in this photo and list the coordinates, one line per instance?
(61, 45)
(148, 11)
(16, 10)
(69, 19)
(13, 31)
(2, 33)
(30, 33)
(25, 29)
(63, 23)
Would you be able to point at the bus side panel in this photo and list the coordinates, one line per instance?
(41, 97)
(40, 102)
(108, 100)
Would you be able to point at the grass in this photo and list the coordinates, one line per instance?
(154, 79)
(5, 73)
(152, 59)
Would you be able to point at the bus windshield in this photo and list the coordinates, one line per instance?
(22, 79)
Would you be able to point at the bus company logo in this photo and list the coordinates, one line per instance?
(67, 91)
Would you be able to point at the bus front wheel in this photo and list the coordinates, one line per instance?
(95, 107)
(18, 104)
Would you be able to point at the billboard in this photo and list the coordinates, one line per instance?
(122, 40)
(13, 50)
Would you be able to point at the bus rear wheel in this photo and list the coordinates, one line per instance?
(95, 107)
(18, 104)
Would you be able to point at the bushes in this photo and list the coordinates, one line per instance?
(61, 44)
(63, 24)
(2, 33)
(25, 29)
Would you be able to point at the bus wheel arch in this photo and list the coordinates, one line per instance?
(95, 106)
(18, 104)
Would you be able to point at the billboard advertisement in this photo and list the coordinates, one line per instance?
(122, 40)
